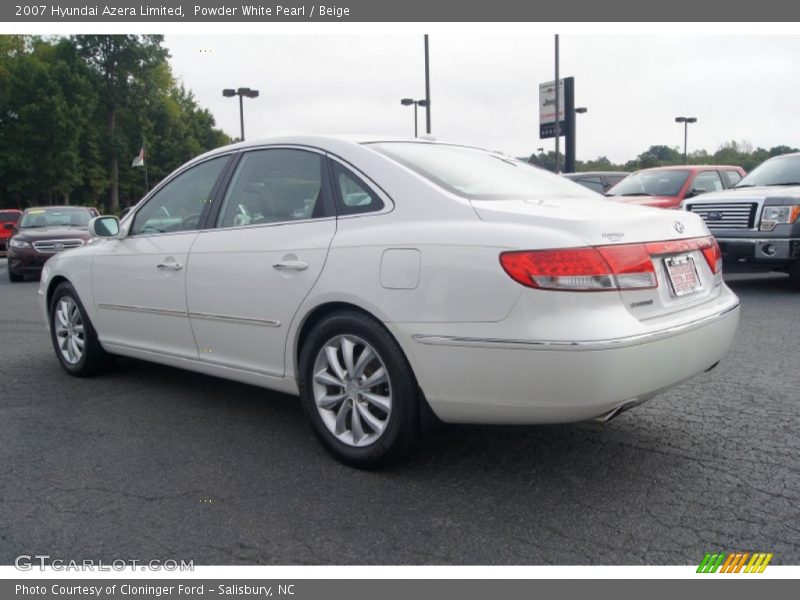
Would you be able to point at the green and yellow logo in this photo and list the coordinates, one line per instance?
(735, 562)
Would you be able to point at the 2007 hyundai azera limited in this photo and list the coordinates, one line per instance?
(382, 279)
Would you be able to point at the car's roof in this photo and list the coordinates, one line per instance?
(688, 168)
(581, 173)
(787, 155)
(329, 142)
(56, 207)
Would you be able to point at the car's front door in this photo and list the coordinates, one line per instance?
(250, 274)
(139, 281)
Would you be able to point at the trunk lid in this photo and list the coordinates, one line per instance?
(605, 223)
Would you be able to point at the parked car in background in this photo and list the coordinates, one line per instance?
(42, 232)
(667, 187)
(8, 216)
(381, 279)
(598, 181)
(757, 223)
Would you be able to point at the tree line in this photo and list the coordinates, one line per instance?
(75, 111)
(735, 153)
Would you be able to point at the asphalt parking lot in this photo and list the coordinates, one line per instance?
(149, 462)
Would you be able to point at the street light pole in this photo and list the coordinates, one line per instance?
(241, 92)
(408, 102)
(685, 121)
(427, 104)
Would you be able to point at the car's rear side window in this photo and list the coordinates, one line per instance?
(354, 195)
(273, 186)
(9, 216)
(733, 176)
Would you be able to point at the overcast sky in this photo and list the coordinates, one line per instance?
(484, 90)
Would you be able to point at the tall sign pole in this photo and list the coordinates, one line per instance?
(558, 105)
(569, 124)
(427, 88)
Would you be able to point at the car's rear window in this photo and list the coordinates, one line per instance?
(479, 174)
(9, 216)
(55, 217)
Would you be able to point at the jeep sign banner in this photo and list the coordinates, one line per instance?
(547, 109)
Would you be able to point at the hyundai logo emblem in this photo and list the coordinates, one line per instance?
(714, 215)
(678, 227)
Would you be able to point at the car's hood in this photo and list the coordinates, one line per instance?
(644, 200)
(53, 233)
(596, 222)
(748, 194)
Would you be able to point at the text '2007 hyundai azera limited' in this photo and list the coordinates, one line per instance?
(382, 279)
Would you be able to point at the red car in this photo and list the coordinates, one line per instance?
(666, 187)
(7, 215)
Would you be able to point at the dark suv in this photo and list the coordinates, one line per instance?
(757, 222)
(42, 232)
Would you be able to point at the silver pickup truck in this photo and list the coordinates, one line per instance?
(757, 222)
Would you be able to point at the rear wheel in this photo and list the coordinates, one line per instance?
(358, 390)
(74, 338)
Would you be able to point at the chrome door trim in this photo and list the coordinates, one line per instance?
(144, 309)
(231, 319)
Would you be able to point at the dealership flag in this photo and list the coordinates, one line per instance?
(139, 160)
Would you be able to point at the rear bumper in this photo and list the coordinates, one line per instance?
(517, 381)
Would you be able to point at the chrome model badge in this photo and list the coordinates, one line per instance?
(678, 226)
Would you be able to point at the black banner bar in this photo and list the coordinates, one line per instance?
(395, 589)
(389, 11)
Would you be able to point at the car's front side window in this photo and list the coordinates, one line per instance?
(179, 205)
(273, 186)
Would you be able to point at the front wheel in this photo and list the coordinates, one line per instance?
(15, 277)
(359, 390)
(74, 338)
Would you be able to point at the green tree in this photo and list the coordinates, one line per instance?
(127, 64)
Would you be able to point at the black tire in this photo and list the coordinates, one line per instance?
(15, 277)
(794, 275)
(93, 358)
(402, 432)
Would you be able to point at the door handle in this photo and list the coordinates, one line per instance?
(169, 266)
(291, 265)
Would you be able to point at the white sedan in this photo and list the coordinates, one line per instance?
(384, 279)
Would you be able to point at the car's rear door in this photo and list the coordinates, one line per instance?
(249, 274)
(139, 281)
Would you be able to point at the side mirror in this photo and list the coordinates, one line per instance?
(9, 226)
(104, 227)
(694, 192)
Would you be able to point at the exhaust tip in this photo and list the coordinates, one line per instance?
(618, 410)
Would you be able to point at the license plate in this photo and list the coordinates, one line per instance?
(682, 274)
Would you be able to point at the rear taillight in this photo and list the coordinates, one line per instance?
(601, 268)
(707, 244)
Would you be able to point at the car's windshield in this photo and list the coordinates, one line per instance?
(480, 175)
(783, 170)
(651, 183)
(55, 217)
